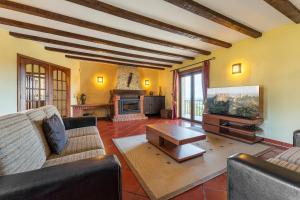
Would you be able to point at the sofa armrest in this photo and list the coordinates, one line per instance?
(92, 179)
(296, 138)
(79, 122)
(253, 178)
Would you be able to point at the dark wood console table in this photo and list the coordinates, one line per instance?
(79, 110)
(241, 129)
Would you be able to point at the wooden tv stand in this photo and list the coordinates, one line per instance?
(241, 129)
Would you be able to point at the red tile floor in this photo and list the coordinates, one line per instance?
(214, 189)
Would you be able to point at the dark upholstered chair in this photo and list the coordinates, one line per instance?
(251, 178)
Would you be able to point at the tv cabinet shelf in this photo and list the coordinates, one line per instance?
(241, 129)
(244, 130)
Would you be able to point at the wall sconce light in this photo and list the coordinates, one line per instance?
(100, 79)
(147, 82)
(237, 68)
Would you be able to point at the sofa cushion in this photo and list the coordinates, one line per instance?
(36, 116)
(55, 134)
(80, 144)
(74, 157)
(77, 132)
(285, 164)
(292, 155)
(20, 147)
(50, 110)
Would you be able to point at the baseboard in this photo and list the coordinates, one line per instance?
(277, 143)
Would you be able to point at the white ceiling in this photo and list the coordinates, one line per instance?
(255, 13)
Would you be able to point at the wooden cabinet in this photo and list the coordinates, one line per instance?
(153, 104)
(244, 130)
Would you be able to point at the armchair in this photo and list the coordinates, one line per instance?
(252, 178)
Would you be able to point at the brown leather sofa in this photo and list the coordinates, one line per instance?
(29, 171)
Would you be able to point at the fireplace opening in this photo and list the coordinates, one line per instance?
(129, 106)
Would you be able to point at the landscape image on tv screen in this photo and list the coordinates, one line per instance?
(234, 101)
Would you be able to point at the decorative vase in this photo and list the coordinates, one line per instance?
(78, 100)
(160, 91)
(82, 99)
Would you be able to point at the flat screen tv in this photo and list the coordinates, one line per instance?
(234, 101)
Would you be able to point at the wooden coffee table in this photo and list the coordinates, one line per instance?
(175, 141)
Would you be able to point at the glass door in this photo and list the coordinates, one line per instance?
(33, 90)
(186, 97)
(41, 83)
(60, 90)
(36, 87)
(191, 96)
(198, 105)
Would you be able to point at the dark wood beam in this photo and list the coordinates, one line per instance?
(44, 29)
(80, 46)
(119, 12)
(66, 51)
(93, 26)
(214, 16)
(287, 8)
(112, 62)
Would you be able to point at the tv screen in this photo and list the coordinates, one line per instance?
(234, 101)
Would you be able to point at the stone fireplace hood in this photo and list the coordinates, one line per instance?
(128, 92)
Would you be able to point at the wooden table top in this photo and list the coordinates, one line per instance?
(177, 134)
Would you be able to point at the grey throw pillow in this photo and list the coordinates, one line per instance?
(55, 134)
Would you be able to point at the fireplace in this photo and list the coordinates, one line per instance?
(129, 106)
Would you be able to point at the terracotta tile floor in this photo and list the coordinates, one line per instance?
(215, 189)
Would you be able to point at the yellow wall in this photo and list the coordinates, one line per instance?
(100, 93)
(272, 61)
(9, 47)
(165, 81)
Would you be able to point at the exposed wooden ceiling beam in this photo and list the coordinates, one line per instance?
(214, 16)
(66, 51)
(287, 8)
(44, 29)
(119, 12)
(112, 62)
(80, 46)
(93, 26)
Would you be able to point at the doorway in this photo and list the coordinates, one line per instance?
(191, 95)
(41, 83)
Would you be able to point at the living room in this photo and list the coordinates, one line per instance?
(137, 99)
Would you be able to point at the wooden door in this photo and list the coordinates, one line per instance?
(61, 85)
(33, 78)
(41, 83)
